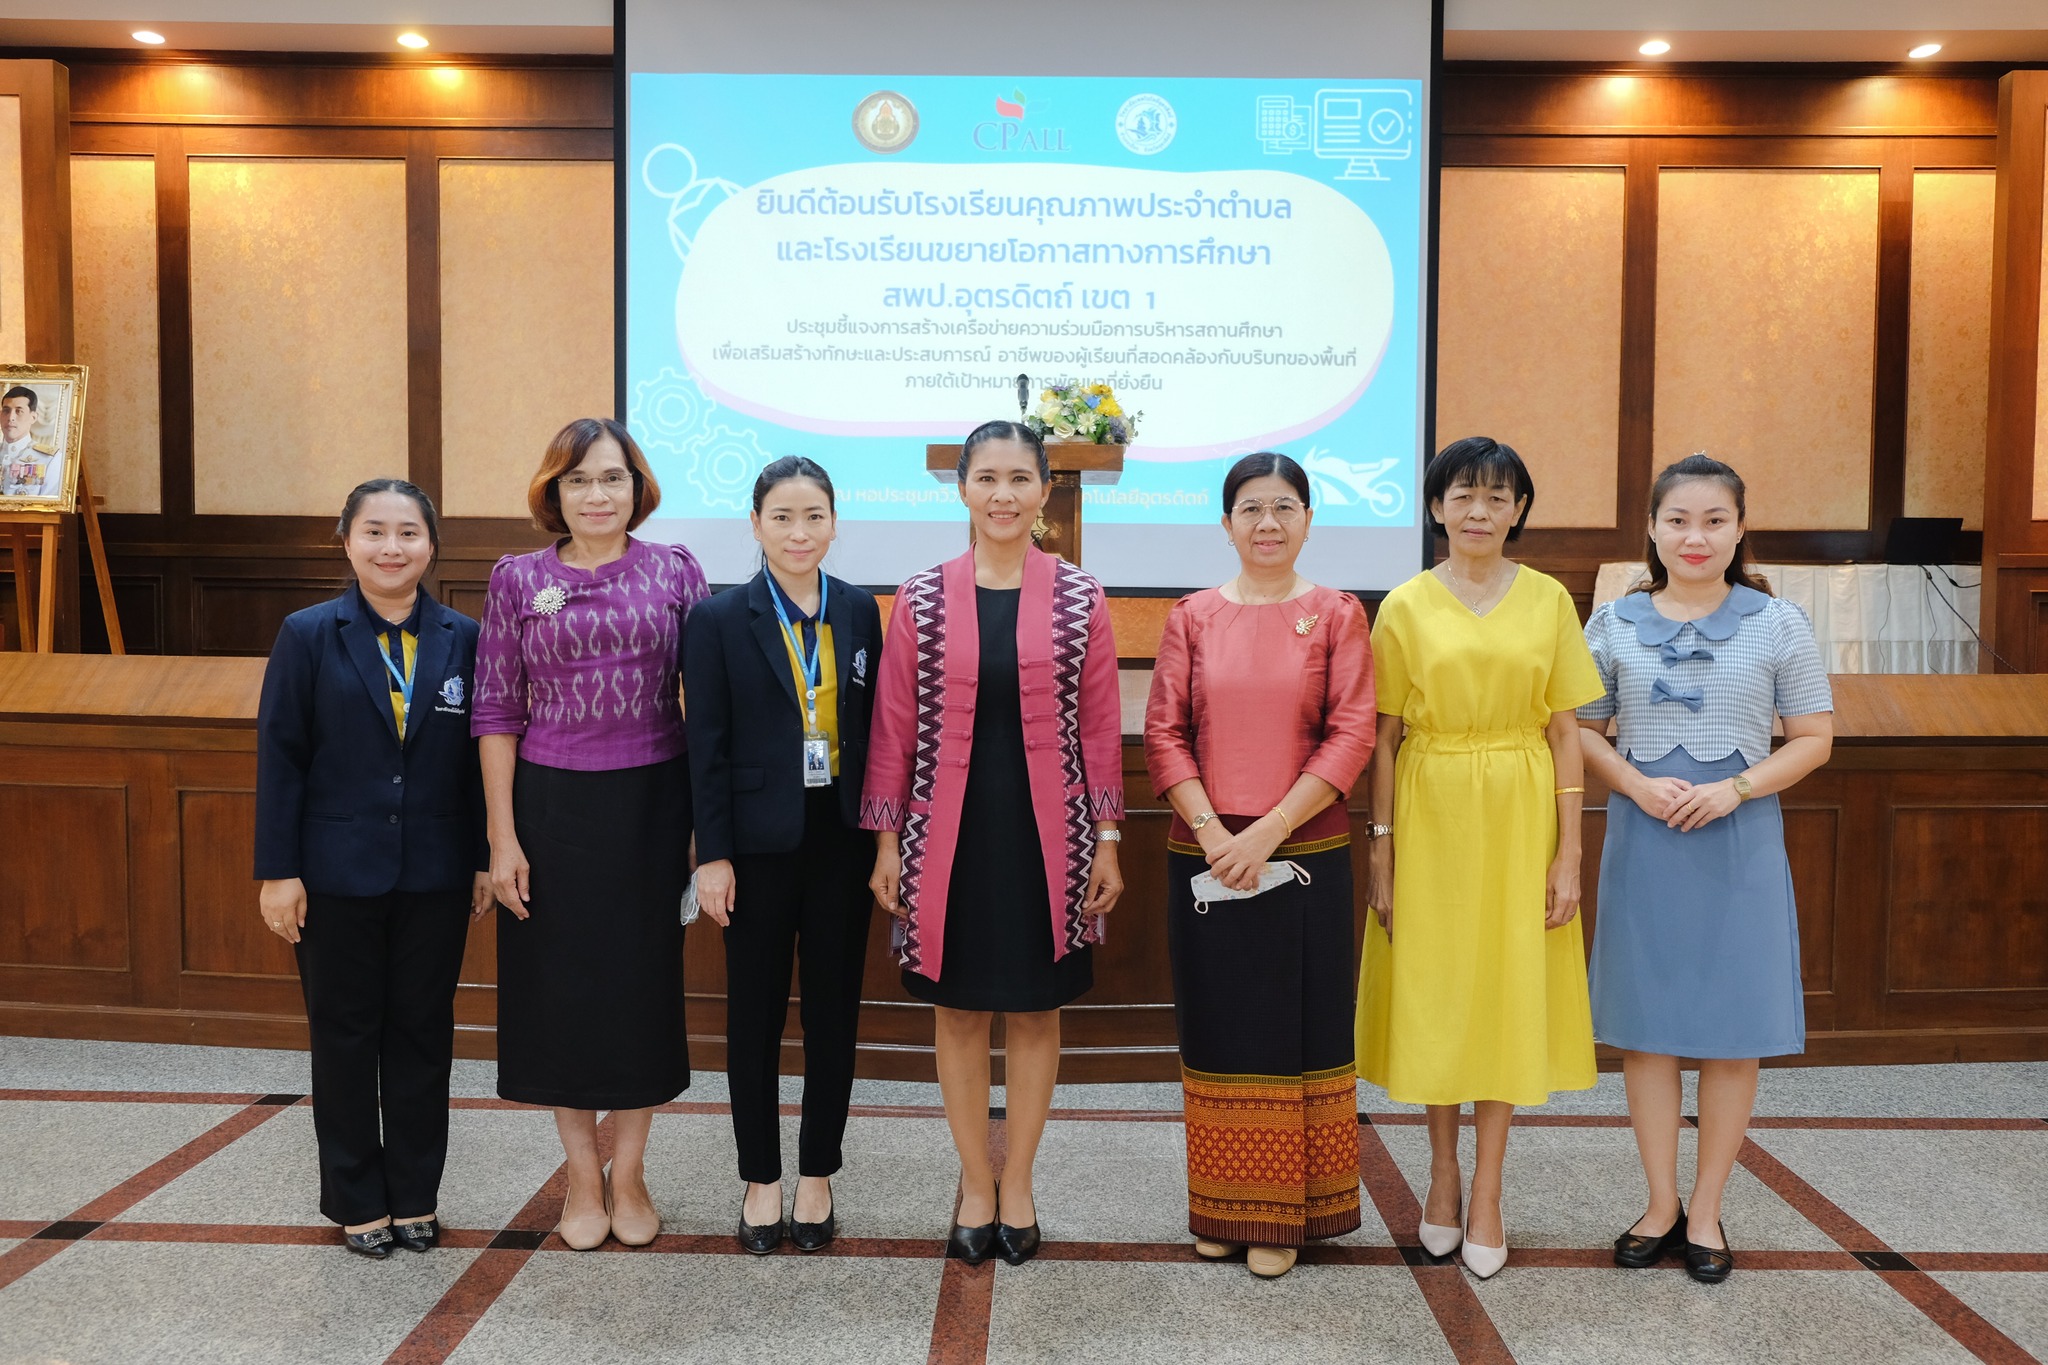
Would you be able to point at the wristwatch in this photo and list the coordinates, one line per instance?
(1378, 831)
(1743, 791)
(1195, 825)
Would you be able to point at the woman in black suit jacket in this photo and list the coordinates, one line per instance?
(777, 711)
(370, 845)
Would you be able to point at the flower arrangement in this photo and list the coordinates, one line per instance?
(1083, 412)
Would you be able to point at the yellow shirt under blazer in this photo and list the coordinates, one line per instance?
(1473, 999)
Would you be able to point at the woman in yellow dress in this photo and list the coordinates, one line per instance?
(1473, 986)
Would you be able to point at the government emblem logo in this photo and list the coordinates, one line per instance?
(1146, 124)
(885, 122)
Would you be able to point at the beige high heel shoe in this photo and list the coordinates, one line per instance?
(588, 1232)
(633, 1230)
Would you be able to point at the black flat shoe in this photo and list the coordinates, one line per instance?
(759, 1240)
(971, 1245)
(376, 1243)
(1638, 1251)
(1018, 1245)
(813, 1236)
(1709, 1265)
(418, 1235)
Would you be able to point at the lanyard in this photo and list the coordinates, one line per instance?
(404, 680)
(809, 662)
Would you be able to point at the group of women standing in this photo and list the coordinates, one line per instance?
(965, 773)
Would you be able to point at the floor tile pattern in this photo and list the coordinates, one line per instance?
(159, 1206)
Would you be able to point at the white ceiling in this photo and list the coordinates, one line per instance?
(1481, 30)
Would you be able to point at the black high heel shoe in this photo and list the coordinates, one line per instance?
(758, 1240)
(812, 1236)
(1709, 1265)
(971, 1245)
(1639, 1251)
(376, 1243)
(418, 1235)
(1017, 1245)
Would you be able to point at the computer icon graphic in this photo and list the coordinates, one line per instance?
(1364, 127)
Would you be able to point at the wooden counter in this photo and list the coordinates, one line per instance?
(1920, 855)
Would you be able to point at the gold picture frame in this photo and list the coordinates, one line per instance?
(42, 435)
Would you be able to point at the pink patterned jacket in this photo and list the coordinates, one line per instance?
(924, 732)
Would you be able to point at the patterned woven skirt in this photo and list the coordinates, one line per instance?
(1263, 1001)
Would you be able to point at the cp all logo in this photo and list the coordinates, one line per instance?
(1010, 132)
(1146, 124)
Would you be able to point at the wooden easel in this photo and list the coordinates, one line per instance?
(35, 588)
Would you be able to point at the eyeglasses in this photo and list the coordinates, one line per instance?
(615, 481)
(1251, 512)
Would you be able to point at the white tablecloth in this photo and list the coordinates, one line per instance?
(1867, 618)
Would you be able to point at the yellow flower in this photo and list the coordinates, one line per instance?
(1110, 408)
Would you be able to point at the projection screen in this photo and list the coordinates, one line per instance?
(847, 230)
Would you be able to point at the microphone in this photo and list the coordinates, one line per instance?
(1023, 394)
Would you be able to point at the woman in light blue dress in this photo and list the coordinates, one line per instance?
(1696, 946)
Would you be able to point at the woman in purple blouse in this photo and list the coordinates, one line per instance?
(588, 794)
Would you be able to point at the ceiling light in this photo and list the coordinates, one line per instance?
(143, 35)
(1925, 50)
(411, 40)
(1656, 47)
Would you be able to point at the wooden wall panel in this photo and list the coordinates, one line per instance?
(114, 316)
(1529, 321)
(1813, 844)
(1949, 373)
(64, 895)
(242, 617)
(1766, 333)
(223, 932)
(1951, 929)
(312, 251)
(13, 243)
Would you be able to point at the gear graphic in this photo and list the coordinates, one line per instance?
(723, 466)
(669, 409)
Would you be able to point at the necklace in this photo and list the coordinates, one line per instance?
(1453, 579)
(1246, 599)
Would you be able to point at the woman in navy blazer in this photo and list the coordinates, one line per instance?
(370, 846)
(777, 686)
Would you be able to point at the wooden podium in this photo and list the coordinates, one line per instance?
(1074, 463)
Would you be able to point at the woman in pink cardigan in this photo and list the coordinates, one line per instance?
(995, 780)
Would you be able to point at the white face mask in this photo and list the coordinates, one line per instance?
(1208, 890)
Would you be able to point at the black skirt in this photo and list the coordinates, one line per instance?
(999, 944)
(590, 985)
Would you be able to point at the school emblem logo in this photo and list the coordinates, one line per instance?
(1146, 124)
(860, 665)
(451, 692)
(885, 122)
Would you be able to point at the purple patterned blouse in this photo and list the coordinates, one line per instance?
(583, 664)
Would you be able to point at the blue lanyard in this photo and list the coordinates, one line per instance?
(809, 662)
(404, 680)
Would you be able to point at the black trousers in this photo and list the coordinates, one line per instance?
(379, 974)
(818, 896)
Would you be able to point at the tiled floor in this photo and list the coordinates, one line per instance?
(157, 1204)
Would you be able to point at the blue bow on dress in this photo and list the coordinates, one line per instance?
(1694, 699)
(1674, 654)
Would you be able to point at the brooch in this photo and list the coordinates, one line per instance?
(1306, 624)
(550, 599)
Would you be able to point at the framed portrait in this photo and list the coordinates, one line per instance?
(42, 429)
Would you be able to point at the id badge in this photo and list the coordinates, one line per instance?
(817, 761)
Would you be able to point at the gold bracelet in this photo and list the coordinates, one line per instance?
(1283, 819)
(1566, 791)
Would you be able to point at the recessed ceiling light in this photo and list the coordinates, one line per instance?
(1925, 50)
(1656, 47)
(412, 40)
(143, 35)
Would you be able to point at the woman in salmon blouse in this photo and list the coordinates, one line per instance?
(1261, 720)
